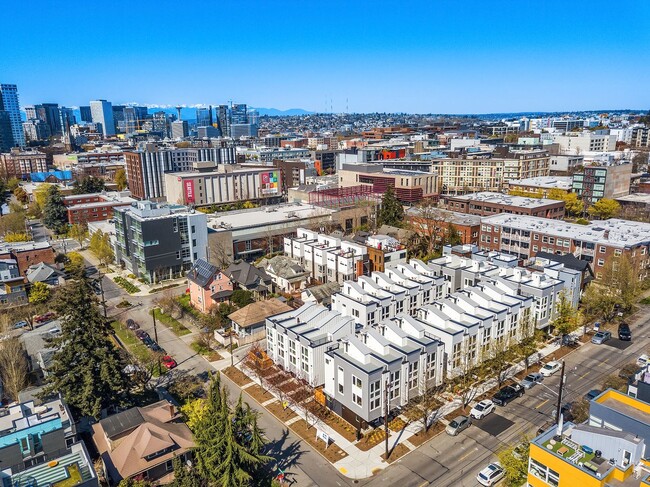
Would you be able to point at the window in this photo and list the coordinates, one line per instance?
(536, 237)
(340, 380)
(375, 395)
(413, 375)
(618, 252)
(394, 384)
(356, 382)
(431, 365)
(601, 262)
(168, 466)
(544, 473)
(357, 399)
(601, 249)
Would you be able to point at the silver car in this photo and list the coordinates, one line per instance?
(601, 337)
(458, 424)
(531, 380)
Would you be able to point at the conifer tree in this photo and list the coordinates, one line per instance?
(55, 216)
(392, 211)
(86, 367)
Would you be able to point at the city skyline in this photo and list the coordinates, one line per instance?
(430, 58)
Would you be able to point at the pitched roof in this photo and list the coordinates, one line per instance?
(323, 292)
(202, 272)
(42, 272)
(283, 266)
(257, 312)
(570, 261)
(247, 275)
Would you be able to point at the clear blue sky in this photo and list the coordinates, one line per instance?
(412, 56)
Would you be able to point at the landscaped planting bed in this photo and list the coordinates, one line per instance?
(332, 453)
(237, 376)
(126, 285)
(258, 393)
(372, 439)
(421, 436)
(399, 451)
(279, 412)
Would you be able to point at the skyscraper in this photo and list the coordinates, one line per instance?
(10, 104)
(85, 114)
(161, 123)
(52, 117)
(6, 135)
(223, 117)
(118, 117)
(203, 117)
(239, 113)
(180, 129)
(102, 114)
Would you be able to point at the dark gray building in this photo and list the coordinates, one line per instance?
(159, 241)
(85, 114)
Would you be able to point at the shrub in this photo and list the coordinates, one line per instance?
(126, 285)
(16, 237)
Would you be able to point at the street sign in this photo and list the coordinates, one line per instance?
(323, 436)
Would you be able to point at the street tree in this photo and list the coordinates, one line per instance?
(120, 179)
(39, 292)
(14, 369)
(78, 232)
(566, 318)
(86, 367)
(604, 209)
(75, 263)
(514, 460)
(573, 205)
(100, 246)
(619, 278)
(13, 222)
(391, 211)
(40, 194)
(55, 215)
(21, 195)
(34, 211)
(529, 337)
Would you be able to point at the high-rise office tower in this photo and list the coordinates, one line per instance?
(6, 134)
(180, 129)
(118, 117)
(239, 113)
(203, 117)
(36, 130)
(52, 117)
(102, 114)
(223, 117)
(85, 114)
(161, 123)
(10, 104)
(130, 120)
(67, 117)
(141, 113)
(253, 117)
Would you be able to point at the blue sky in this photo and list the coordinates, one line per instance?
(412, 56)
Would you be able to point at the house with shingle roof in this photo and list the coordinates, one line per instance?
(248, 323)
(207, 285)
(140, 443)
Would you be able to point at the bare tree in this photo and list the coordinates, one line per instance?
(430, 221)
(14, 369)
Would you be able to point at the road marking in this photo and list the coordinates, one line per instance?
(541, 404)
(583, 375)
(466, 455)
(343, 470)
(423, 484)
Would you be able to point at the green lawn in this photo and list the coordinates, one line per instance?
(570, 452)
(73, 479)
(184, 301)
(132, 344)
(173, 324)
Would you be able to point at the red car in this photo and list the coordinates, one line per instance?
(45, 317)
(169, 362)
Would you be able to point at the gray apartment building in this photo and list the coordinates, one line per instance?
(159, 241)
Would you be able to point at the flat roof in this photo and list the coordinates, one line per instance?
(504, 199)
(266, 215)
(546, 182)
(614, 232)
(635, 198)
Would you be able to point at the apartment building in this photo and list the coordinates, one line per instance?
(328, 259)
(145, 168)
(21, 163)
(564, 164)
(403, 288)
(409, 186)
(607, 450)
(596, 243)
(467, 226)
(203, 185)
(472, 171)
(93, 207)
(297, 340)
(488, 203)
(158, 241)
(541, 186)
(396, 359)
(597, 182)
(38, 446)
(640, 137)
(579, 143)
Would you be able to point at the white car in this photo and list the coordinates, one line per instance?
(643, 360)
(491, 474)
(550, 368)
(482, 409)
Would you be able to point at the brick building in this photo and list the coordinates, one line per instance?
(93, 207)
(27, 254)
(20, 164)
(488, 203)
(597, 243)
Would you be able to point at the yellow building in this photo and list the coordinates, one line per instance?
(608, 450)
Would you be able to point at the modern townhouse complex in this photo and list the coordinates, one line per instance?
(329, 259)
(597, 182)
(596, 243)
(488, 203)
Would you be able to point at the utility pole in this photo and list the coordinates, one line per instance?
(101, 290)
(155, 334)
(559, 396)
(232, 353)
(386, 408)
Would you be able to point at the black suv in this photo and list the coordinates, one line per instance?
(507, 394)
(624, 332)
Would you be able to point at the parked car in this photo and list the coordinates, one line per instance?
(169, 362)
(20, 324)
(624, 332)
(566, 410)
(531, 380)
(44, 318)
(141, 334)
(458, 424)
(507, 394)
(482, 409)
(592, 394)
(642, 361)
(132, 325)
(491, 474)
(601, 337)
(154, 347)
(550, 368)
(147, 341)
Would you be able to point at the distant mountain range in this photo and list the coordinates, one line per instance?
(274, 112)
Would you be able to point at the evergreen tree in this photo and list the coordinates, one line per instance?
(229, 441)
(55, 216)
(86, 367)
(88, 185)
(392, 211)
(184, 476)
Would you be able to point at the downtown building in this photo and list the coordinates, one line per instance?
(159, 241)
(596, 243)
(146, 168)
(102, 115)
(10, 118)
(489, 203)
(21, 163)
(598, 182)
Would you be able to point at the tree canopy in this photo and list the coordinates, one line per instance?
(604, 209)
(55, 215)
(120, 179)
(573, 205)
(100, 245)
(39, 293)
(392, 211)
(86, 367)
(89, 184)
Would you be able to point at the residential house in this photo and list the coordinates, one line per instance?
(248, 323)
(141, 442)
(27, 253)
(208, 286)
(12, 284)
(287, 275)
(321, 294)
(250, 278)
(46, 274)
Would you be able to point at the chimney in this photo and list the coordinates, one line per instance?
(172, 412)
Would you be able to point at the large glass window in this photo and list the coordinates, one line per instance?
(541, 471)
